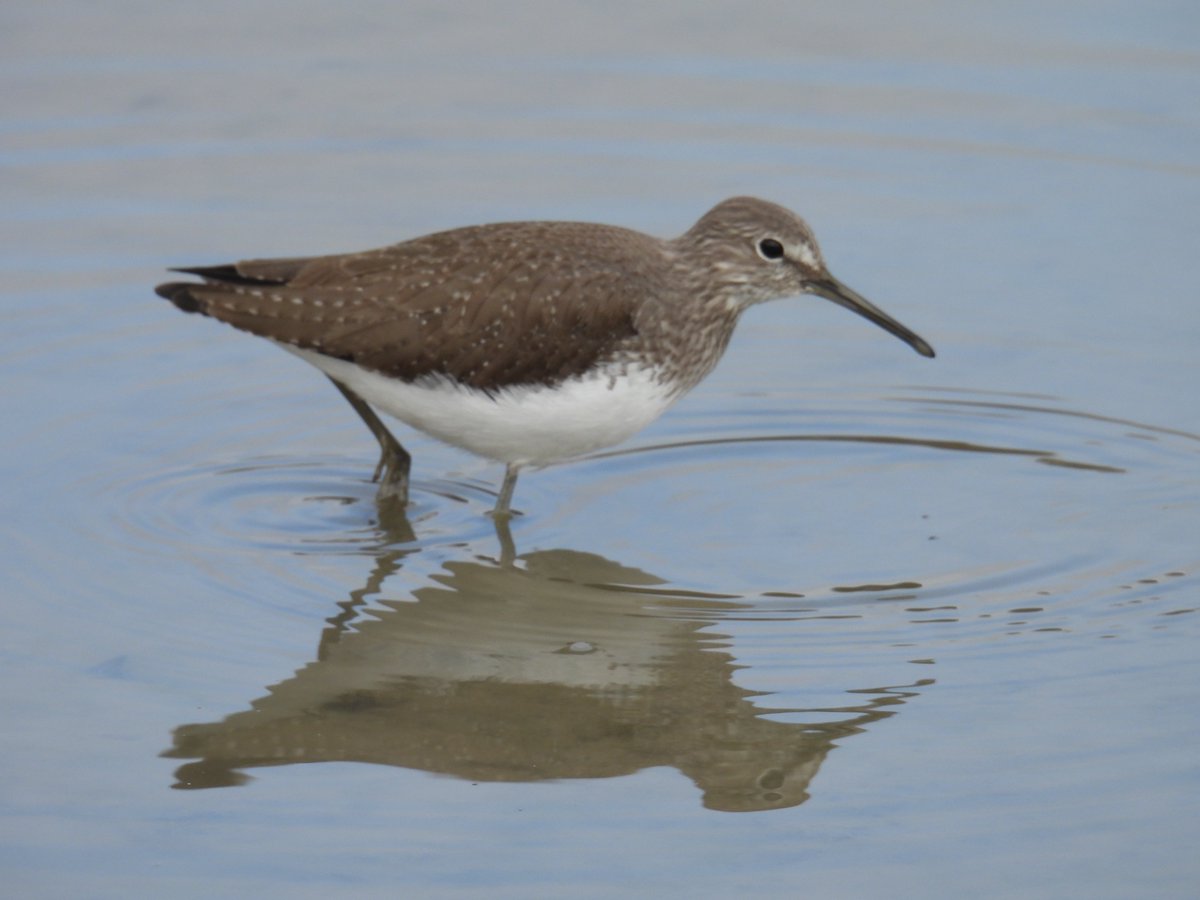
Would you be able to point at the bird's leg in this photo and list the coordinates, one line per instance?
(508, 547)
(394, 462)
(502, 510)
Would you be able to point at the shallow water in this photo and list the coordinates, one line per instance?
(846, 621)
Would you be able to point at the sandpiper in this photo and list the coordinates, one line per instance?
(524, 342)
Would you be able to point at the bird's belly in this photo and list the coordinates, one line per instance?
(526, 424)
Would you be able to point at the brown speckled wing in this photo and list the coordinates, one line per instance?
(489, 306)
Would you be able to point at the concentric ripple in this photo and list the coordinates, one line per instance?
(275, 504)
(930, 508)
(923, 508)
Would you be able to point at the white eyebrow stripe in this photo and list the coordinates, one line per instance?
(806, 255)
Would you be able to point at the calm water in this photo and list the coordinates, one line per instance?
(846, 622)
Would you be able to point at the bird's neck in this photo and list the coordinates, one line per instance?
(687, 328)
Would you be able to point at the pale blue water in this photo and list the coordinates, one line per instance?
(846, 622)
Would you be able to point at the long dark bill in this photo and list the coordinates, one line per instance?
(832, 289)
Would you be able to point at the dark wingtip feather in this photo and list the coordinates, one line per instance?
(249, 273)
(226, 273)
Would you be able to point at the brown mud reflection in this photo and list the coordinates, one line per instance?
(530, 668)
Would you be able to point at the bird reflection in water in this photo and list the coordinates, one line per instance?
(548, 665)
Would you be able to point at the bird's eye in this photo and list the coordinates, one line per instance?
(769, 248)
